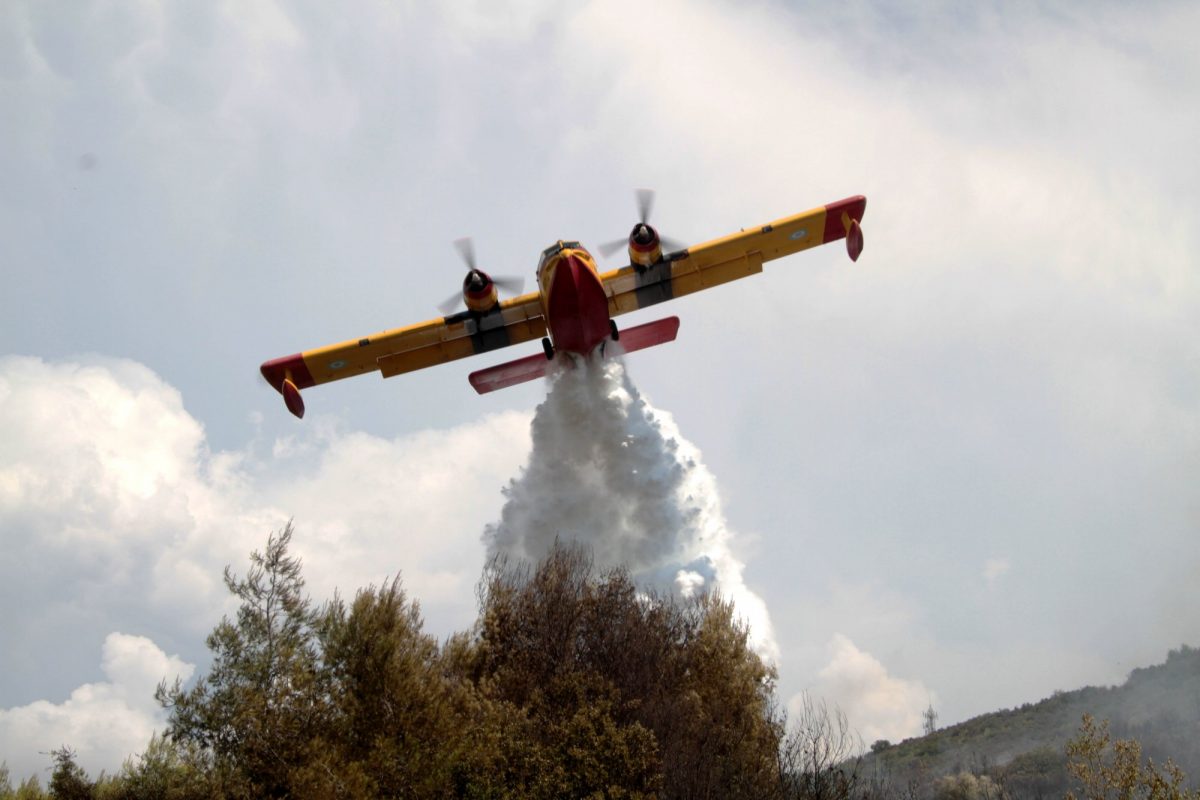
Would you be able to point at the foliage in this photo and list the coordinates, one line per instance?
(68, 781)
(166, 770)
(28, 789)
(1108, 768)
(395, 717)
(260, 703)
(570, 684)
(683, 703)
(1036, 775)
(966, 786)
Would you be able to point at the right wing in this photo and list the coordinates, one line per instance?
(394, 352)
(735, 256)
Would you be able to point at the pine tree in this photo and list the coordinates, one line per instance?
(259, 710)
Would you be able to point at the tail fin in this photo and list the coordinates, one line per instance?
(531, 368)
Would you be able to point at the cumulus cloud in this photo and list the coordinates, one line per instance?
(877, 705)
(109, 489)
(103, 722)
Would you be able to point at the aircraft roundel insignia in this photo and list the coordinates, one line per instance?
(800, 234)
(337, 364)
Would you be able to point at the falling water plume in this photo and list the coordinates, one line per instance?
(611, 472)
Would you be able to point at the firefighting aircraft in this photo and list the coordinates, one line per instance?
(572, 311)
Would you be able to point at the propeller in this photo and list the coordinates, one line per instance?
(476, 279)
(643, 233)
(645, 204)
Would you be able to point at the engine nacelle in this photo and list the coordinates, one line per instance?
(479, 291)
(645, 247)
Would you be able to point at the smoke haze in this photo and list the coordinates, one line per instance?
(611, 472)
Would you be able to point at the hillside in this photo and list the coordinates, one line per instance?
(1023, 747)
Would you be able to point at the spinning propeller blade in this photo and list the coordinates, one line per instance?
(450, 304)
(669, 244)
(511, 284)
(466, 249)
(609, 249)
(645, 204)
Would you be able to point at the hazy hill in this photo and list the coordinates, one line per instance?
(1023, 747)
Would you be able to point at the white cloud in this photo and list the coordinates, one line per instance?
(107, 486)
(114, 513)
(103, 722)
(877, 705)
(417, 504)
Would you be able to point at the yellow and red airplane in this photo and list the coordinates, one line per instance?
(572, 311)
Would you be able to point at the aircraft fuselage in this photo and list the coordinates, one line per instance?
(574, 302)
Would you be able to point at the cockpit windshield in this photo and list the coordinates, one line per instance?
(549, 253)
(553, 250)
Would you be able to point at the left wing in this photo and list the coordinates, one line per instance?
(400, 350)
(735, 256)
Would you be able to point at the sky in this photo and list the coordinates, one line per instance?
(961, 472)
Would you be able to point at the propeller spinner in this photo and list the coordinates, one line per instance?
(478, 289)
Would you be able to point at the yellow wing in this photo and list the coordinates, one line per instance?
(735, 256)
(400, 350)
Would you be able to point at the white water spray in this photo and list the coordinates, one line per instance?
(612, 473)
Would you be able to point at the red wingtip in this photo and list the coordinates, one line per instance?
(292, 399)
(854, 240)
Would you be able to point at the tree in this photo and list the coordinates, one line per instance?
(818, 756)
(259, 710)
(1036, 774)
(165, 770)
(1108, 768)
(545, 654)
(966, 786)
(571, 684)
(724, 698)
(397, 717)
(68, 781)
(28, 789)
(626, 691)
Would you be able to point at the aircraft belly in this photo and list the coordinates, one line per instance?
(578, 308)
